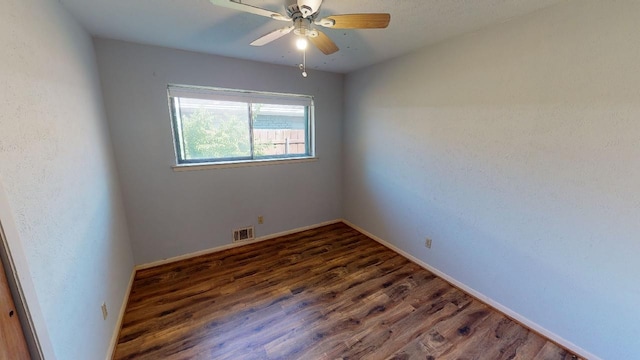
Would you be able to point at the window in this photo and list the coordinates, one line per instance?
(214, 125)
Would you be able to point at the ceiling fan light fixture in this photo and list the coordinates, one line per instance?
(302, 43)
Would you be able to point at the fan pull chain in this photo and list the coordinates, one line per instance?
(303, 66)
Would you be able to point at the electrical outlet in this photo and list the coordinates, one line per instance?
(260, 219)
(427, 243)
(104, 311)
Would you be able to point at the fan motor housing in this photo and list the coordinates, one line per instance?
(309, 7)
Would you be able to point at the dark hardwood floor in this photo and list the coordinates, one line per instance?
(327, 293)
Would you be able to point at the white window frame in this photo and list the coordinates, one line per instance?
(248, 96)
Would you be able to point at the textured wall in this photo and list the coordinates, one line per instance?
(175, 213)
(517, 149)
(57, 170)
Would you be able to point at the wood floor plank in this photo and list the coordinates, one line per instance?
(326, 293)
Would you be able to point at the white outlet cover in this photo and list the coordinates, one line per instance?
(105, 313)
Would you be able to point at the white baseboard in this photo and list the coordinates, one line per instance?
(123, 308)
(232, 245)
(485, 299)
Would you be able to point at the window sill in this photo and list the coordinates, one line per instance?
(235, 164)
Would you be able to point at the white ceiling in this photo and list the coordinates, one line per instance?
(199, 26)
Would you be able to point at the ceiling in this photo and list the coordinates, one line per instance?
(199, 26)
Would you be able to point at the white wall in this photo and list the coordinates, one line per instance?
(176, 213)
(57, 170)
(517, 149)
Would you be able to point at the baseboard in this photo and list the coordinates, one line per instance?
(123, 308)
(485, 299)
(232, 245)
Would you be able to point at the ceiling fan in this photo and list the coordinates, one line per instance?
(303, 14)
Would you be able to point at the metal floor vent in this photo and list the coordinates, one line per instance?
(243, 234)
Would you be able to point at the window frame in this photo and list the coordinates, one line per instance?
(250, 97)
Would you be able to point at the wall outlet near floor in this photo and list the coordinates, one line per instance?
(104, 311)
(260, 219)
(427, 243)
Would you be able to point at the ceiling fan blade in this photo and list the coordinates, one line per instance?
(324, 44)
(238, 5)
(274, 35)
(356, 21)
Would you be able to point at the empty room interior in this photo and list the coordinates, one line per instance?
(282, 179)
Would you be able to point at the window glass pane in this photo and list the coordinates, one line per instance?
(279, 130)
(225, 125)
(214, 129)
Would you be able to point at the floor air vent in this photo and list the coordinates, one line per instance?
(243, 234)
